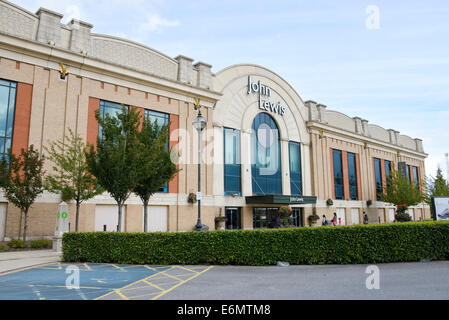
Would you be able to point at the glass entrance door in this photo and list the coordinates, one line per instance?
(265, 218)
(233, 219)
(297, 217)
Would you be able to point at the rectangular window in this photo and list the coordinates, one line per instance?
(162, 119)
(378, 179)
(294, 150)
(415, 176)
(265, 218)
(387, 170)
(408, 172)
(352, 176)
(111, 109)
(338, 175)
(231, 151)
(8, 92)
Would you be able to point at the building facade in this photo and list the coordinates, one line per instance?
(263, 147)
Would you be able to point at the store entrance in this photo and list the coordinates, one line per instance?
(233, 219)
(269, 218)
(264, 218)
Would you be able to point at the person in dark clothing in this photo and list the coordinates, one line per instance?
(365, 218)
(324, 221)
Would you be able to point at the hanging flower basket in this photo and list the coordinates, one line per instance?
(283, 219)
(191, 198)
(401, 215)
(329, 202)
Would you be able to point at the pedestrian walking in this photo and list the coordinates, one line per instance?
(334, 219)
(365, 218)
(324, 221)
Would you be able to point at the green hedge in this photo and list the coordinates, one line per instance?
(394, 242)
(40, 243)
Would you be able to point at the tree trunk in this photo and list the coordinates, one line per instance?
(145, 216)
(119, 224)
(20, 224)
(25, 226)
(77, 215)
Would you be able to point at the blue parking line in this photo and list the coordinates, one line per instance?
(48, 282)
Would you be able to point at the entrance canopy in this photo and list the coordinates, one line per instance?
(280, 199)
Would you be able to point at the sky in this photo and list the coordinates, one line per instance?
(384, 61)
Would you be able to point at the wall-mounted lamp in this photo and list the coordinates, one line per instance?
(365, 145)
(63, 72)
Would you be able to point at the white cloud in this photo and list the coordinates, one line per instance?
(156, 23)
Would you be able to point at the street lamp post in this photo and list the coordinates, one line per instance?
(199, 123)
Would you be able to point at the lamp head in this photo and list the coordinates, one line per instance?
(199, 122)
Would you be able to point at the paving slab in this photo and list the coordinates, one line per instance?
(18, 260)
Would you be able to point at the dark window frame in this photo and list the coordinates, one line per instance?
(296, 187)
(339, 188)
(232, 171)
(6, 140)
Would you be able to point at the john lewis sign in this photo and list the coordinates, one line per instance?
(264, 91)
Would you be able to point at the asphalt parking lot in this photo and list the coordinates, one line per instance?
(56, 281)
(407, 281)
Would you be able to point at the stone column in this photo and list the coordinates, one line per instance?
(322, 112)
(247, 186)
(49, 29)
(286, 188)
(80, 41)
(313, 111)
(204, 75)
(185, 69)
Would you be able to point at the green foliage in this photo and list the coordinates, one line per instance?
(71, 177)
(16, 243)
(116, 162)
(156, 167)
(400, 191)
(438, 186)
(394, 242)
(3, 246)
(22, 180)
(41, 243)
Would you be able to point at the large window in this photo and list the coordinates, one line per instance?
(265, 156)
(8, 92)
(108, 108)
(415, 176)
(352, 175)
(232, 181)
(338, 175)
(265, 218)
(378, 178)
(294, 150)
(162, 119)
(387, 170)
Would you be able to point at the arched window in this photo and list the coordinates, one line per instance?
(265, 156)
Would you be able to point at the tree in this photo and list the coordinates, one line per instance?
(71, 177)
(22, 180)
(402, 193)
(156, 165)
(438, 186)
(116, 160)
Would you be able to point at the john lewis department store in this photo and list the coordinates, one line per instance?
(264, 146)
